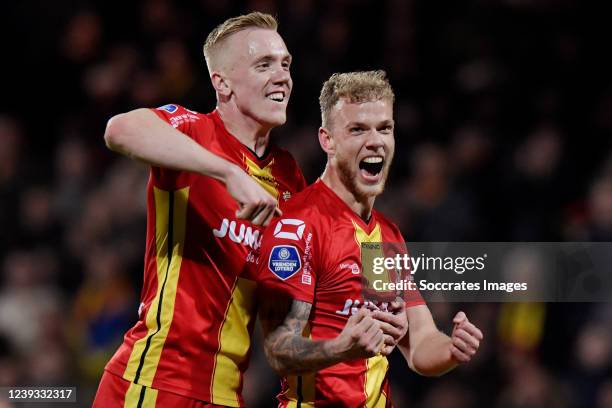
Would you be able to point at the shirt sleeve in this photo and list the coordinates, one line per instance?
(183, 120)
(178, 117)
(287, 265)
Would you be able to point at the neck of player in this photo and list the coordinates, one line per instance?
(361, 205)
(248, 131)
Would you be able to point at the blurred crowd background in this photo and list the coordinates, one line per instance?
(504, 118)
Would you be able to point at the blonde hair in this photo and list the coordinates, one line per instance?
(232, 26)
(357, 87)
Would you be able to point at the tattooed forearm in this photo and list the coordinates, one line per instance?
(287, 350)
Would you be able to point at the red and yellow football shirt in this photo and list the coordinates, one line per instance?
(313, 254)
(197, 312)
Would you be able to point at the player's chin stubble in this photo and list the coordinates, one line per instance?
(348, 177)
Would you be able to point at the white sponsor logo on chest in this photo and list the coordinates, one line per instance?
(239, 233)
(290, 228)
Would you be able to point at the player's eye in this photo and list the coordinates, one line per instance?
(386, 129)
(356, 129)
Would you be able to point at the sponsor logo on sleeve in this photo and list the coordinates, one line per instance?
(284, 261)
(168, 108)
(290, 228)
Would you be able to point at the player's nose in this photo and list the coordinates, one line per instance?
(281, 76)
(375, 140)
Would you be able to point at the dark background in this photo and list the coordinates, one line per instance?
(504, 118)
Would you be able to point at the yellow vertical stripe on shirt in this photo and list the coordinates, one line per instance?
(376, 367)
(138, 396)
(308, 380)
(294, 404)
(308, 391)
(376, 370)
(132, 395)
(263, 176)
(292, 391)
(361, 236)
(375, 237)
(368, 254)
(170, 223)
(234, 343)
(302, 388)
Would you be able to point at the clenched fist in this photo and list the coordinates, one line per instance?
(465, 339)
(393, 323)
(255, 204)
(362, 337)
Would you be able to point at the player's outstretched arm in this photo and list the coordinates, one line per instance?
(432, 353)
(142, 135)
(290, 353)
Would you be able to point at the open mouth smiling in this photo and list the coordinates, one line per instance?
(276, 96)
(372, 165)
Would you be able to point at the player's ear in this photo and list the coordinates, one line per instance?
(326, 140)
(221, 84)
